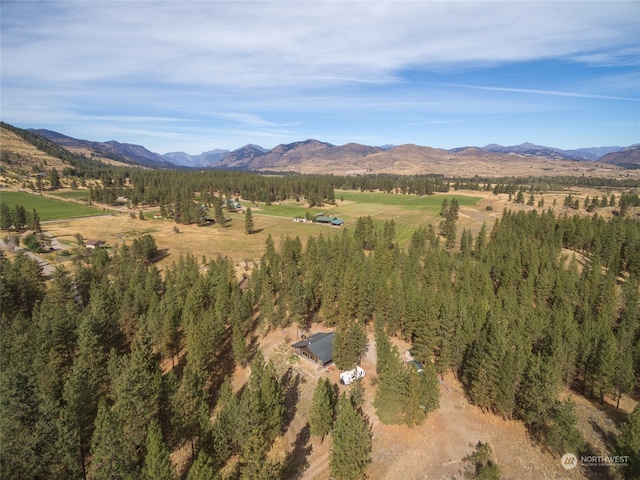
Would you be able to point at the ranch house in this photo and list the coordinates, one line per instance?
(331, 220)
(318, 348)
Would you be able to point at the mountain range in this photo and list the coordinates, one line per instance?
(314, 156)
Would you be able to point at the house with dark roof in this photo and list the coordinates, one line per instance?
(331, 220)
(318, 347)
(93, 244)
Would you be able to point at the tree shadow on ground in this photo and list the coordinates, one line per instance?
(617, 415)
(225, 365)
(252, 348)
(290, 383)
(595, 472)
(608, 437)
(296, 462)
(161, 254)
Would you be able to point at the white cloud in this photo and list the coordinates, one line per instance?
(222, 73)
(553, 93)
(246, 44)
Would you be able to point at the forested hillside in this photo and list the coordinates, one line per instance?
(83, 395)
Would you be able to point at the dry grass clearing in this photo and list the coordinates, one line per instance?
(229, 241)
(232, 241)
(22, 155)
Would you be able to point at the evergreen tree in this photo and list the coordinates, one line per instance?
(81, 397)
(562, 434)
(255, 464)
(228, 422)
(54, 178)
(322, 408)
(448, 225)
(365, 232)
(34, 222)
(6, 216)
(404, 394)
(202, 468)
(480, 464)
(110, 457)
(350, 442)
(349, 344)
(137, 391)
(191, 412)
(218, 215)
(393, 388)
(263, 400)
(18, 421)
(23, 284)
(156, 463)
(466, 242)
(248, 221)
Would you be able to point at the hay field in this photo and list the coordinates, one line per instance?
(408, 212)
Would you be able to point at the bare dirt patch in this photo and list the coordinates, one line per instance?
(435, 449)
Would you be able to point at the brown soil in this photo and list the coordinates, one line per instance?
(435, 449)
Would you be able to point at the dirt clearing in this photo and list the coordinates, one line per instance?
(435, 449)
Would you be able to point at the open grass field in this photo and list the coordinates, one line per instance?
(48, 208)
(73, 194)
(428, 202)
(408, 212)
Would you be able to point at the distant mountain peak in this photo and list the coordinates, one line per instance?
(310, 154)
(527, 148)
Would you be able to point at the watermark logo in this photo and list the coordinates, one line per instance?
(569, 461)
(604, 460)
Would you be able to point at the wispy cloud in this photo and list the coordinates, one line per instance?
(274, 70)
(250, 119)
(227, 43)
(553, 93)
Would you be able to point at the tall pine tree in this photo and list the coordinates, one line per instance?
(350, 442)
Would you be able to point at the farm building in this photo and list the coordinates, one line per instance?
(318, 348)
(93, 244)
(332, 220)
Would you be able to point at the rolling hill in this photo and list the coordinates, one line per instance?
(316, 157)
(629, 157)
(121, 152)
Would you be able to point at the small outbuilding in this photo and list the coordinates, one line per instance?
(318, 348)
(93, 244)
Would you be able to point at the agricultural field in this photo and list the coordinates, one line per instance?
(122, 225)
(408, 213)
(48, 208)
(73, 194)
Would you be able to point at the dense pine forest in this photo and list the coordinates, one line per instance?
(514, 314)
(111, 365)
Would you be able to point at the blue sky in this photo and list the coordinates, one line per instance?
(198, 75)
